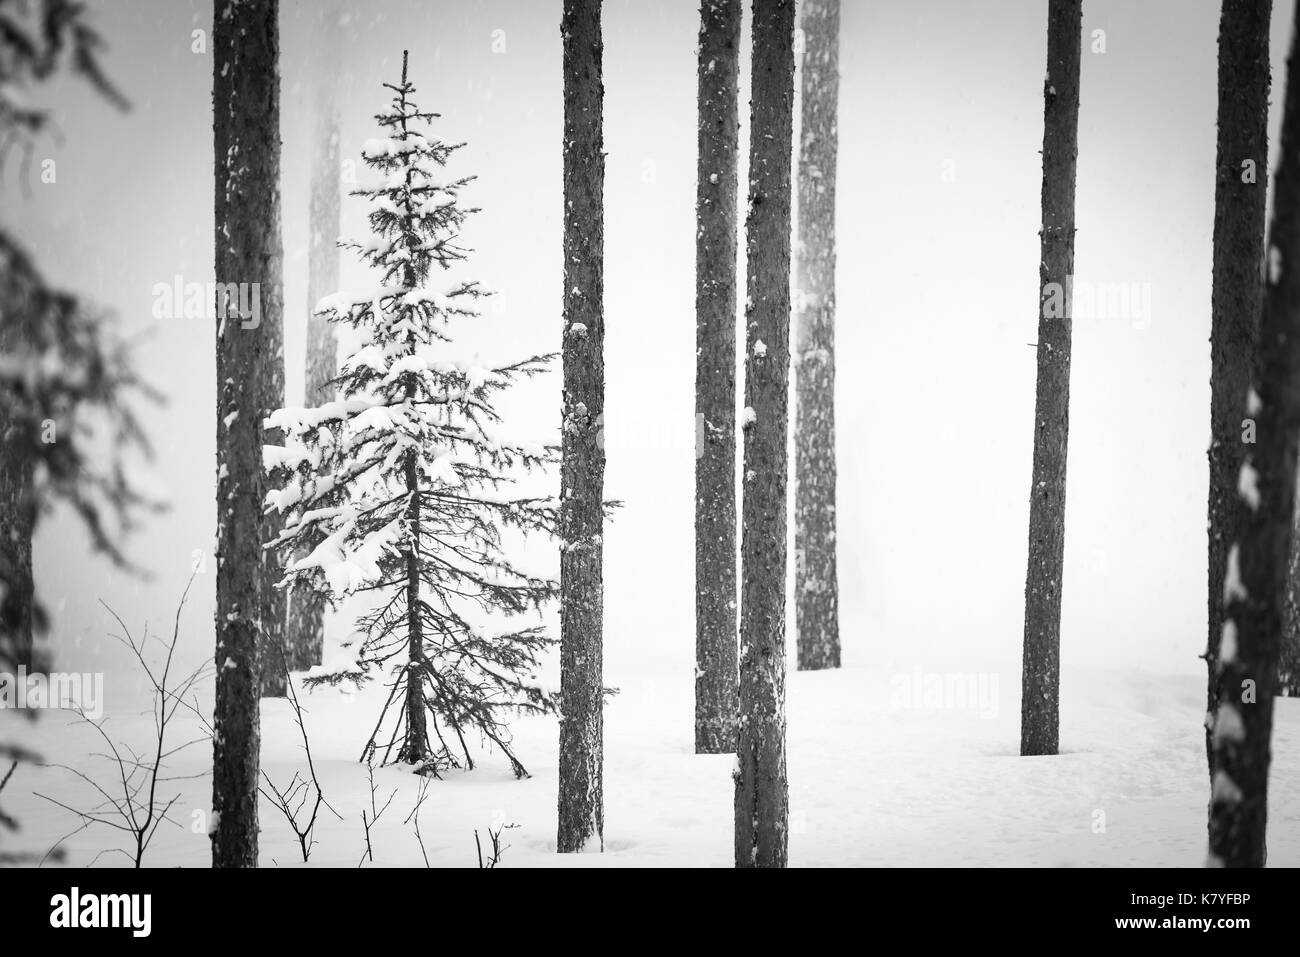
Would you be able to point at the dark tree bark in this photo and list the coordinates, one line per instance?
(19, 303)
(17, 522)
(1288, 664)
(816, 589)
(1255, 583)
(715, 377)
(246, 124)
(582, 472)
(274, 603)
(1040, 681)
(1240, 187)
(761, 791)
(305, 622)
(415, 747)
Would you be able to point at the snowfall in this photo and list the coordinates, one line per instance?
(936, 319)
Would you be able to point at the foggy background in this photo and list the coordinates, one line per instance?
(940, 124)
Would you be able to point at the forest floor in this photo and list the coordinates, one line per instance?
(875, 779)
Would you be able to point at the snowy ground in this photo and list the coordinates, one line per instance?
(872, 782)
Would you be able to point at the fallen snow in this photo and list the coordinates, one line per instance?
(870, 784)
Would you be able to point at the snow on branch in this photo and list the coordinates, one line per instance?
(403, 490)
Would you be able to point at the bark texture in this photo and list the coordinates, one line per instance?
(19, 303)
(415, 748)
(1040, 681)
(1288, 663)
(582, 471)
(715, 377)
(816, 591)
(761, 792)
(1237, 292)
(305, 622)
(1255, 582)
(274, 602)
(17, 522)
(246, 124)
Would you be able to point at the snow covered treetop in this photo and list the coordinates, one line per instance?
(414, 419)
(402, 490)
(415, 214)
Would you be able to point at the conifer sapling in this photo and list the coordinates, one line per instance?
(402, 492)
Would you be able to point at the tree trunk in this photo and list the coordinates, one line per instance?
(1255, 582)
(305, 623)
(246, 126)
(274, 604)
(1040, 682)
(582, 472)
(1240, 188)
(1288, 664)
(415, 748)
(761, 792)
(20, 302)
(715, 378)
(817, 622)
(17, 521)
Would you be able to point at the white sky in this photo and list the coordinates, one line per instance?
(937, 299)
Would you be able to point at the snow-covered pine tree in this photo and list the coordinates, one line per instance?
(403, 489)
